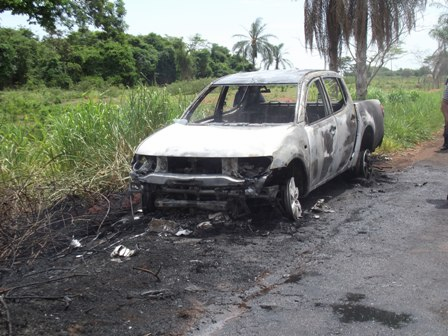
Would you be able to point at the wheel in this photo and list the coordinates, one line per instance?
(148, 198)
(290, 199)
(364, 166)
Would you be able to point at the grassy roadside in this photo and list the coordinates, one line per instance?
(411, 117)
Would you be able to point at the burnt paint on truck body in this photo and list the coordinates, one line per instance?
(254, 160)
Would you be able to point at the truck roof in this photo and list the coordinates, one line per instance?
(289, 76)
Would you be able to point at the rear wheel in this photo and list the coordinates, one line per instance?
(148, 198)
(364, 166)
(290, 193)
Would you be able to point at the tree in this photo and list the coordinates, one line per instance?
(17, 56)
(146, 58)
(202, 63)
(366, 22)
(166, 66)
(197, 43)
(326, 23)
(277, 58)
(254, 43)
(439, 59)
(184, 61)
(102, 14)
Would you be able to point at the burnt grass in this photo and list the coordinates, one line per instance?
(52, 286)
(62, 280)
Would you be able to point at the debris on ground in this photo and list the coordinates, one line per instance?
(205, 226)
(183, 232)
(75, 243)
(219, 217)
(421, 184)
(122, 251)
(320, 206)
(163, 226)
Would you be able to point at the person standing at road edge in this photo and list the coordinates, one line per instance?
(445, 115)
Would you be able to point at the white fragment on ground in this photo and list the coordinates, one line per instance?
(205, 226)
(122, 251)
(75, 243)
(183, 232)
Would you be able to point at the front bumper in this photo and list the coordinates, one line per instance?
(204, 191)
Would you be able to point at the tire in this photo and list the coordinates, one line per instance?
(364, 165)
(289, 193)
(148, 197)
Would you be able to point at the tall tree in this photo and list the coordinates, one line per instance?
(326, 24)
(439, 59)
(51, 14)
(277, 58)
(254, 43)
(332, 22)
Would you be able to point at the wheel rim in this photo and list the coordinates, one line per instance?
(291, 200)
(366, 168)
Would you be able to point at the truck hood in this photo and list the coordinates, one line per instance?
(215, 140)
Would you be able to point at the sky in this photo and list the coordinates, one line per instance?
(218, 22)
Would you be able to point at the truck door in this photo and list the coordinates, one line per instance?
(321, 129)
(346, 123)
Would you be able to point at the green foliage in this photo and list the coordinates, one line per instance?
(84, 144)
(84, 57)
(105, 15)
(17, 56)
(255, 43)
(410, 118)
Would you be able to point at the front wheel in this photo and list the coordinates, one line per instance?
(290, 199)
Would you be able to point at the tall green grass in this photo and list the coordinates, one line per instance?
(411, 116)
(80, 148)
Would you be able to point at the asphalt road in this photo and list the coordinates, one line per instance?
(377, 265)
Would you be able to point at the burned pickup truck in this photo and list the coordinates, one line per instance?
(259, 136)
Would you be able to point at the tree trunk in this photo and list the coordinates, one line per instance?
(361, 49)
(334, 36)
(361, 71)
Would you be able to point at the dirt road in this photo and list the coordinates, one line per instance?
(371, 260)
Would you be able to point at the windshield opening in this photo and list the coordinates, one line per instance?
(271, 104)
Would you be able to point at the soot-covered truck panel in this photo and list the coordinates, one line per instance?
(264, 135)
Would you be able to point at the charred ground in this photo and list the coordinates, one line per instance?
(171, 285)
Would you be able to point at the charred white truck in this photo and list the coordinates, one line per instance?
(265, 135)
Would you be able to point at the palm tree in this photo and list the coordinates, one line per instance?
(326, 24)
(329, 23)
(277, 57)
(254, 42)
(439, 59)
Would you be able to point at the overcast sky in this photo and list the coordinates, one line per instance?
(218, 21)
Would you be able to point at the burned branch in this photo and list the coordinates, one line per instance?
(155, 274)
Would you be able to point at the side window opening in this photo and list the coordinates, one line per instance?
(335, 93)
(315, 102)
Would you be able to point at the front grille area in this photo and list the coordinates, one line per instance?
(187, 165)
(254, 166)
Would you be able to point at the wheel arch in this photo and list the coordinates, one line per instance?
(297, 169)
(367, 141)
